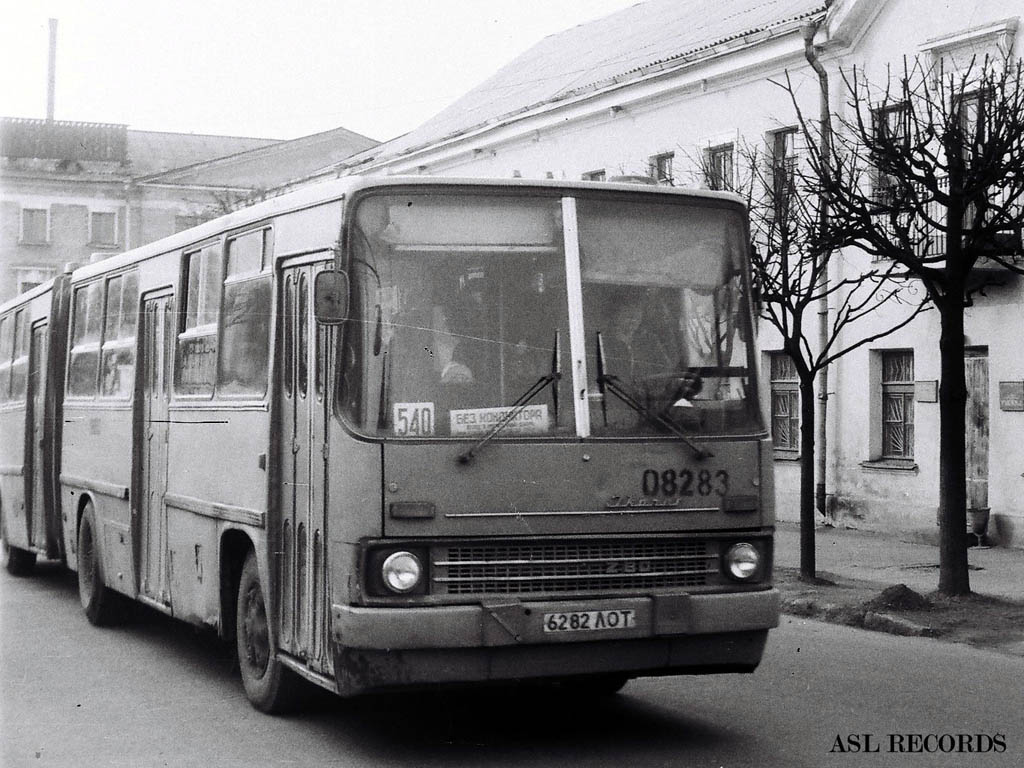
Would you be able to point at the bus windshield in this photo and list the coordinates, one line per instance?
(461, 318)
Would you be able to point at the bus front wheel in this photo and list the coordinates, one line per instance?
(101, 605)
(270, 686)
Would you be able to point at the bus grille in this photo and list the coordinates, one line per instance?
(585, 567)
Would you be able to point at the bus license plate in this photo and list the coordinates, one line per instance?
(589, 621)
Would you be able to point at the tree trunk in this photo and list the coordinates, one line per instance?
(807, 564)
(954, 578)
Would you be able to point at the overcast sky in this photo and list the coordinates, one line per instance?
(265, 68)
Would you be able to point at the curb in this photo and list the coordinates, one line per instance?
(855, 617)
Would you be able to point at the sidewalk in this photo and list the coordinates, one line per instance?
(877, 581)
(870, 556)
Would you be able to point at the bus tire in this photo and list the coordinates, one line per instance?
(101, 605)
(18, 561)
(270, 686)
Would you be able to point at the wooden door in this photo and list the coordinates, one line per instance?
(976, 371)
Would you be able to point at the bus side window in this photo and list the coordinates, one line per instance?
(118, 350)
(85, 340)
(196, 361)
(245, 331)
(6, 347)
(19, 366)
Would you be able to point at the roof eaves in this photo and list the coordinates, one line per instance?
(751, 37)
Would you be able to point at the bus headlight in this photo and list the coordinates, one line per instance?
(743, 561)
(401, 572)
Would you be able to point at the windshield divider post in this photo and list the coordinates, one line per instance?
(574, 291)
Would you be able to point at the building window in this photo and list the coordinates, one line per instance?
(898, 404)
(890, 127)
(784, 160)
(661, 168)
(719, 173)
(35, 226)
(103, 228)
(785, 388)
(593, 175)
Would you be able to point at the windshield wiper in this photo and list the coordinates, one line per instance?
(607, 382)
(549, 379)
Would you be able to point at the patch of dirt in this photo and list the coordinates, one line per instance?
(977, 620)
(899, 597)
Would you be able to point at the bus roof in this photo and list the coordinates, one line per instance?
(28, 295)
(337, 189)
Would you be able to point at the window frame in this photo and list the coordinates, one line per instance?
(118, 341)
(791, 388)
(199, 330)
(881, 182)
(658, 164)
(22, 239)
(93, 241)
(904, 390)
(263, 272)
(716, 176)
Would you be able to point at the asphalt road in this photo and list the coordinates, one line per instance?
(156, 693)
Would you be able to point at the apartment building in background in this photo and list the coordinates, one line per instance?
(71, 192)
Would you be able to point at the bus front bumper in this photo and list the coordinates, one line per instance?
(379, 648)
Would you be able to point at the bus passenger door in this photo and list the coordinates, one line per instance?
(157, 336)
(301, 532)
(37, 398)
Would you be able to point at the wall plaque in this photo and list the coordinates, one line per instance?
(1011, 395)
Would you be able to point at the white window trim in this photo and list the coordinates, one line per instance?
(1001, 33)
(21, 225)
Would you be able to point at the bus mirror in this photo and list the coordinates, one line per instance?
(330, 297)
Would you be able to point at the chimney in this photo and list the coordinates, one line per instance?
(51, 77)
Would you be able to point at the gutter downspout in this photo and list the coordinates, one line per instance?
(825, 151)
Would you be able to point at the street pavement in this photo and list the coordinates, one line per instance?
(887, 558)
(154, 693)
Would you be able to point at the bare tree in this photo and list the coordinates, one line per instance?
(926, 174)
(792, 274)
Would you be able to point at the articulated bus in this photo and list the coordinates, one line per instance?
(393, 432)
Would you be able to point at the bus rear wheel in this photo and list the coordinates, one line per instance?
(270, 686)
(18, 561)
(101, 605)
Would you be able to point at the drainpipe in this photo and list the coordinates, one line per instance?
(825, 149)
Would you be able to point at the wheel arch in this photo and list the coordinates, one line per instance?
(235, 545)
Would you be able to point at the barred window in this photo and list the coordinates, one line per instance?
(785, 388)
(898, 405)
